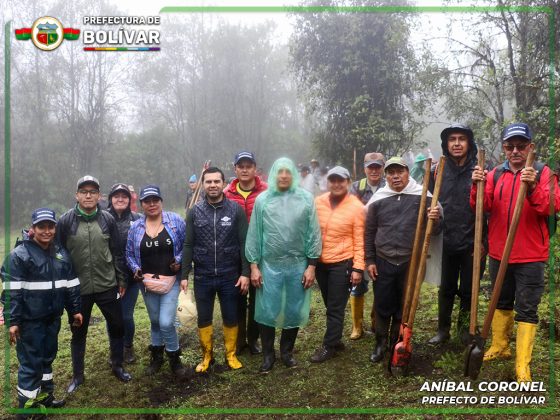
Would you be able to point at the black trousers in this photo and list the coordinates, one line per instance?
(522, 289)
(110, 307)
(334, 282)
(246, 315)
(388, 288)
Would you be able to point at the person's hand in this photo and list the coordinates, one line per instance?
(138, 276)
(14, 334)
(478, 174)
(175, 266)
(256, 276)
(184, 285)
(78, 319)
(433, 213)
(308, 277)
(372, 271)
(355, 278)
(529, 175)
(243, 284)
(122, 291)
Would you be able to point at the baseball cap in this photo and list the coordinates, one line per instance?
(150, 191)
(42, 214)
(192, 178)
(396, 160)
(374, 158)
(88, 179)
(517, 129)
(244, 155)
(119, 187)
(338, 171)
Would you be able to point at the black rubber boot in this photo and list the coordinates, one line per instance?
(117, 353)
(445, 308)
(156, 359)
(252, 326)
(267, 340)
(175, 363)
(78, 352)
(381, 333)
(395, 330)
(242, 327)
(52, 403)
(287, 342)
(129, 356)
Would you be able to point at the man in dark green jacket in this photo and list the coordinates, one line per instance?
(91, 236)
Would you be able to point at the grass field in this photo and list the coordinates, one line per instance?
(345, 386)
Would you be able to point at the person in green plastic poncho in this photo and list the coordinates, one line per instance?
(283, 245)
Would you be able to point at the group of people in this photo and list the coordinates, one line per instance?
(261, 246)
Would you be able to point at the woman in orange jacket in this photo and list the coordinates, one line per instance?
(341, 265)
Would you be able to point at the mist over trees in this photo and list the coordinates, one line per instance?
(341, 81)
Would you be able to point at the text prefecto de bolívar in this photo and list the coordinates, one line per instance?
(450, 386)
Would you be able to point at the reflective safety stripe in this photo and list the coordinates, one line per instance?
(39, 285)
(28, 394)
(47, 377)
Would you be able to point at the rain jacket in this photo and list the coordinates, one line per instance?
(283, 235)
(248, 203)
(531, 240)
(342, 230)
(40, 283)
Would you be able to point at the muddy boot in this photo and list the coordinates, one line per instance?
(51, 402)
(230, 340)
(524, 350)
(206, 343)
(78, 351)
(175, 363)
(117, 352)
(381, 333)
(267, 341)
(502, 328)
(357, 310)
(129, 356)
(445, 308)
(156, 359)
(395, 330)
(287, 341)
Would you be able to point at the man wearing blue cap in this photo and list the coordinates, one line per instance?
(190, 191)
(91, 235)
(524, 280)
(39, 283)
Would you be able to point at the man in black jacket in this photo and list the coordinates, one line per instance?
(457, 143)
(91, 236)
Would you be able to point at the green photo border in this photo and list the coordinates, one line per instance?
(552, 402)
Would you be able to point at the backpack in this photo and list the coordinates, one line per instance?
(362, 187)
(551, 220)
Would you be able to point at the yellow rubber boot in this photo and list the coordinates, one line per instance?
(230, 342)
(357, 309)
(502, 328)
(205, 335)
(523, 350)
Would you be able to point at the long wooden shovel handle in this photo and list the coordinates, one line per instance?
(427, 236)
(416, 244)
(479, 218)
(507, 251)
(196, 193)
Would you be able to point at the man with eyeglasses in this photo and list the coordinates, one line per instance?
(91, 236)
(524, 281)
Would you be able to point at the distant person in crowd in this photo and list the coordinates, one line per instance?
(315, 169)
(103, 201)
(120, 198)
(409, 158)
(215, 241)
(389, 235)
(524, 280)
(39, 283)
(307, 180)
(190, 191)
(133, 199)
(154, 251)
(364, 190)
(341, 265)
(323, 184)
(283, 245)
(91, 235)
(244, 190)
(417, 172)
(457, 144)
(261, 174)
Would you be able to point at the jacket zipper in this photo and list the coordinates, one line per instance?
(215, 246)
(511, 200)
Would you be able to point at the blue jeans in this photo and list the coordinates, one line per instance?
(162, 310)
(128, 303)
(205, 290)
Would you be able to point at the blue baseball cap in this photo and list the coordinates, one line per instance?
(517, 130)
(43, 214)
(192, 178)
(150, 191)
(244, 155)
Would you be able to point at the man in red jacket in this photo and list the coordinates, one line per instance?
(244, 190)
(524, 281)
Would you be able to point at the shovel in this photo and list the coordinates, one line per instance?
(196, 194)
(402, 352)
(475, 339)
(475, 353)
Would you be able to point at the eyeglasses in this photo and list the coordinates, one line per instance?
(520, 147)
(90, 192)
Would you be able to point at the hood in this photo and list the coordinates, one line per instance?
(283, 163)
(473, 149)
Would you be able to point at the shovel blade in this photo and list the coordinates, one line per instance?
(474, 355)
(402, 351)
